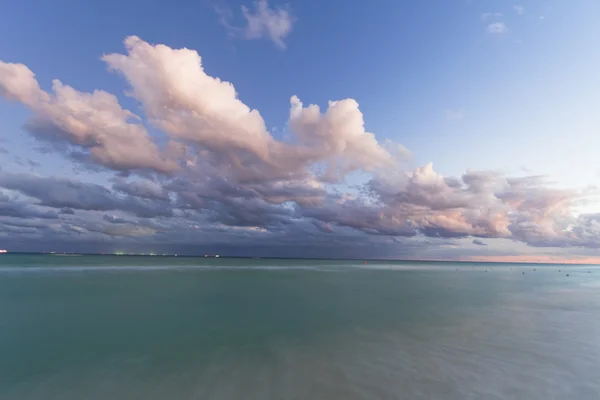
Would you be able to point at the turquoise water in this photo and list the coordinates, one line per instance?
(104, 327)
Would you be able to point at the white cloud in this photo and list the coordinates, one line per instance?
(338, 135)
(205, 112)
(519, 9)
(263, 21)
(497, 28)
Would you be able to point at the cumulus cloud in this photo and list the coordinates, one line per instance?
(91, 121)
(217, 128)
(519, 9)
(497, 28)
(224, 178)
(189, 105)
(338, 136)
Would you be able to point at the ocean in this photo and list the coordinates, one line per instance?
(124, 327)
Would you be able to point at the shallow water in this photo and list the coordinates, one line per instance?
(96, 327)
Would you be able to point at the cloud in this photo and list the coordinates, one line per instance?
(60, 193)
(113, 219)
(421, 203)
(217, 128)
(141, 188)
(487, 15)
(519, 9)
(262, 21)
(66, 193)
(224, 180)
(274, 23)
(497, 28)
(479, 242)
(339, 136)
(93, 122)
(480, 204)
(122, 230)
(22, 210)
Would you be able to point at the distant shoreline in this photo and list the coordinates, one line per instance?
(222, 257)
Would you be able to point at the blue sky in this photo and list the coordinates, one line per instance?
(480, 84)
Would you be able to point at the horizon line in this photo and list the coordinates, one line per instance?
(474, 259)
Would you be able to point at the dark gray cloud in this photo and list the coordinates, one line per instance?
(22, 211)
(66, 193)
(141, 188)
(113, 219)
(12, 208)
(478, 205)
(61, 193)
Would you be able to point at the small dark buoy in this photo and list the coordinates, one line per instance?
(567, 274)
(523, 272)
(486, 270)
(534, 269)
(559, 270)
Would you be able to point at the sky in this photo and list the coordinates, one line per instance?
(455, 129)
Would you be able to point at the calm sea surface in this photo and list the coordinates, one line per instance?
(109, 327)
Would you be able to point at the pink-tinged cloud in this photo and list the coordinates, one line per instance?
(222, 167)
(93, 121)
(190, 106)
